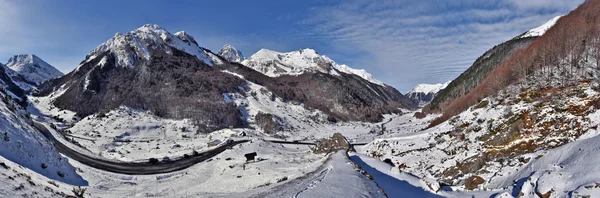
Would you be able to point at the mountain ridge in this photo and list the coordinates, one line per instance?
(276, 64)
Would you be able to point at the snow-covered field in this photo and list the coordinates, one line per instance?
(220, 176)
(126, 134)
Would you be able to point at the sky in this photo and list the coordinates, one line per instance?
(400, 42)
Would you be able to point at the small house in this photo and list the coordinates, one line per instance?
(250, 156)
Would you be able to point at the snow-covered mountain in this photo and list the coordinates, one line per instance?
(32, 68)
(540, 30)
(422, 94)
(143, 42)
(170, 75)
(275, 64)
(231, 54)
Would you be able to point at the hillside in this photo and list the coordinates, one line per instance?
(24, 151)
(526, 128)
(485, 64)
(344, 93)
(561, 57)
(163, 80)
(471, 77)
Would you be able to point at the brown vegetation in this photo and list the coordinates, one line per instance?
(560, 50)
(174, 85)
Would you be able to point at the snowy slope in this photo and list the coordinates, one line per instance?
(570, 169)
(23, 144)
(19, 181)
(142, 42)
(33, 68)
(539, 31)
(275, 64)
(397, 183)
(17, 79)
(231, 54)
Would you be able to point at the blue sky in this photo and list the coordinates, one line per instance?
(402, 43)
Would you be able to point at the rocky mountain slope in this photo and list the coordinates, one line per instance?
(317, 82)
(154, 70)
(32, 68)
(422, 94)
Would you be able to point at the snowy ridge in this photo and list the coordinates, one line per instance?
(539, 31)
(428, 88)
(231, 54)
(275, 64)
(16, 78)
(140, 43)
(32, 68)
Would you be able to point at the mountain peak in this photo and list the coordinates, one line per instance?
(539, 31)
(32, 68)
(231, 53)
(186, 37)
(140, 43)
(151, 26)
(28, 58)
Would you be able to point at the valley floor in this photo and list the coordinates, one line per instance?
(294, 171)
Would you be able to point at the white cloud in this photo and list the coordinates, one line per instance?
(537, 5)
(406, 43)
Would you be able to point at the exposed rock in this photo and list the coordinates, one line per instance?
(336, 143)
(266, 122)
(473, 182)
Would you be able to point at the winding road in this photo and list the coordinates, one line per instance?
(146, 168)
(134, 168)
